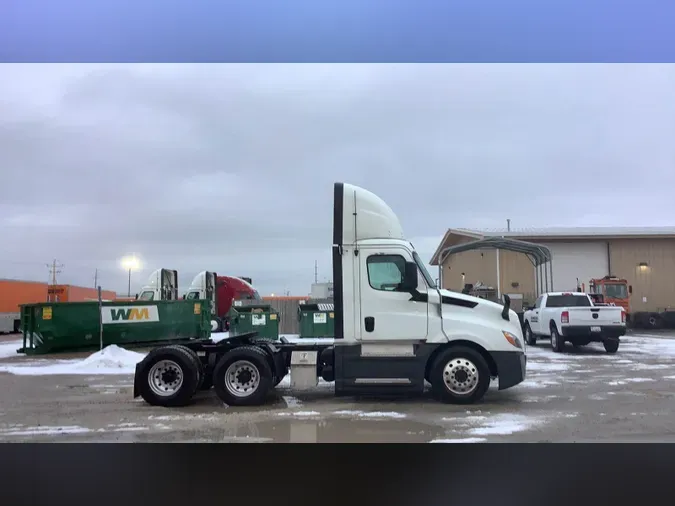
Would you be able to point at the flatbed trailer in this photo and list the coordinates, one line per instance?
(395, 331)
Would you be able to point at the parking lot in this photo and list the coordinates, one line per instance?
(582, 395)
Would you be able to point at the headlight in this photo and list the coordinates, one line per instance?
(511, 338)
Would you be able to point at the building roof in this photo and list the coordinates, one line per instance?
(571, 232)
(555, 233)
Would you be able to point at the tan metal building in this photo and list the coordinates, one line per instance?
(645, 257)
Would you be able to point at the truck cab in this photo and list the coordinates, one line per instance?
(162, 284)
(614, 291)
(394, 327)
(222, 291)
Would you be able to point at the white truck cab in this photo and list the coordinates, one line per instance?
(162, 284)
(394, 329)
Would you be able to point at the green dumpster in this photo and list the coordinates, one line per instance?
(317, 320)
(73, 326)
(260, 318)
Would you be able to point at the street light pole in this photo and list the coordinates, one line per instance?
(129, 287)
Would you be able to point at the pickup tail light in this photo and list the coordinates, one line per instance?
(565, 317)
(623, 317)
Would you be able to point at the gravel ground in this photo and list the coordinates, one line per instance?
(583, 395)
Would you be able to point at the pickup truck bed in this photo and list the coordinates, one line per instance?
(573, 317)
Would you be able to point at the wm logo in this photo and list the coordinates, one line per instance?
(131, 314)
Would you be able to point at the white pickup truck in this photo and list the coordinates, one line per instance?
(573, 317)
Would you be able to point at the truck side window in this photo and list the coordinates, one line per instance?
(385, 272)
(537, 304)
(147, 296)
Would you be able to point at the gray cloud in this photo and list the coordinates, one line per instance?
(229, 167)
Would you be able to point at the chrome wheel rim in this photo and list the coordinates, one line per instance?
(461, 376)
(165, 378)
(242, 378)
(554, 339)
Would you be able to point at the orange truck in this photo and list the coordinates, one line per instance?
(13, 293)
(617, 291)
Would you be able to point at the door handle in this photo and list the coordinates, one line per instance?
(369, 323)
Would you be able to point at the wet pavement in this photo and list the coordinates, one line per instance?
(583, 395)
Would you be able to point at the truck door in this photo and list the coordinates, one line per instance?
(535, 319)
(387, 313)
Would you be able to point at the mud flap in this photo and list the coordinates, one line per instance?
(136, 392)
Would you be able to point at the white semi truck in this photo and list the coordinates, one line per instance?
(394, 329)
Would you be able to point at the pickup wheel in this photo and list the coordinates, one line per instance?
(530, 338)
(243, 377)
(459, 375)
(557, 341)
(611, 345)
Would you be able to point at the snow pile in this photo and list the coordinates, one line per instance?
(110, 360)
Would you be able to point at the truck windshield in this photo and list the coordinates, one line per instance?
(148, 295)
(568, 301)
(192, 296)
(616, 291)
(423, 270)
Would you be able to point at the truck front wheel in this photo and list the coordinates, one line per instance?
(459, 375)
(243, 377)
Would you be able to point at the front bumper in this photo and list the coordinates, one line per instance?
(511, 367)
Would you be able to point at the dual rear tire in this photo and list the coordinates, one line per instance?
(170, 376)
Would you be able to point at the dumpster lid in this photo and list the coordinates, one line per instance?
(322, 306)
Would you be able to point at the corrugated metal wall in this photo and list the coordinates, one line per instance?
(288, 312)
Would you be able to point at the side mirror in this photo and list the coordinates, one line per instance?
(630, 289)
(409, 282)
(136, 297)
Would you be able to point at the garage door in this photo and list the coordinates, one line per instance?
(583, 260)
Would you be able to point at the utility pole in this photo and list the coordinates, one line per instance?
(316, 271)
(95, 278)
(54, 269)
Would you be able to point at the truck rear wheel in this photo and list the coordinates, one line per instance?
(557, 341)
(205, 381)
(459, 375)
(611, 345)
(530, 338)
(243, 377)
(168, 377)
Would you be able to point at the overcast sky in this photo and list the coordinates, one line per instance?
(230, 167)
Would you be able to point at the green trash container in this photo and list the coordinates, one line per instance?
(74, 326)
(317, 320)
(260, 318)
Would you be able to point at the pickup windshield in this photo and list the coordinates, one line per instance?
(568, 301)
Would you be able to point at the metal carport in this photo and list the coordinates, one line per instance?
(539, 255)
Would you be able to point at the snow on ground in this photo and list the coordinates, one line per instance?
(43, 430)
(110, 360)
(461, 440)
(505, 424)
(8, 349)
